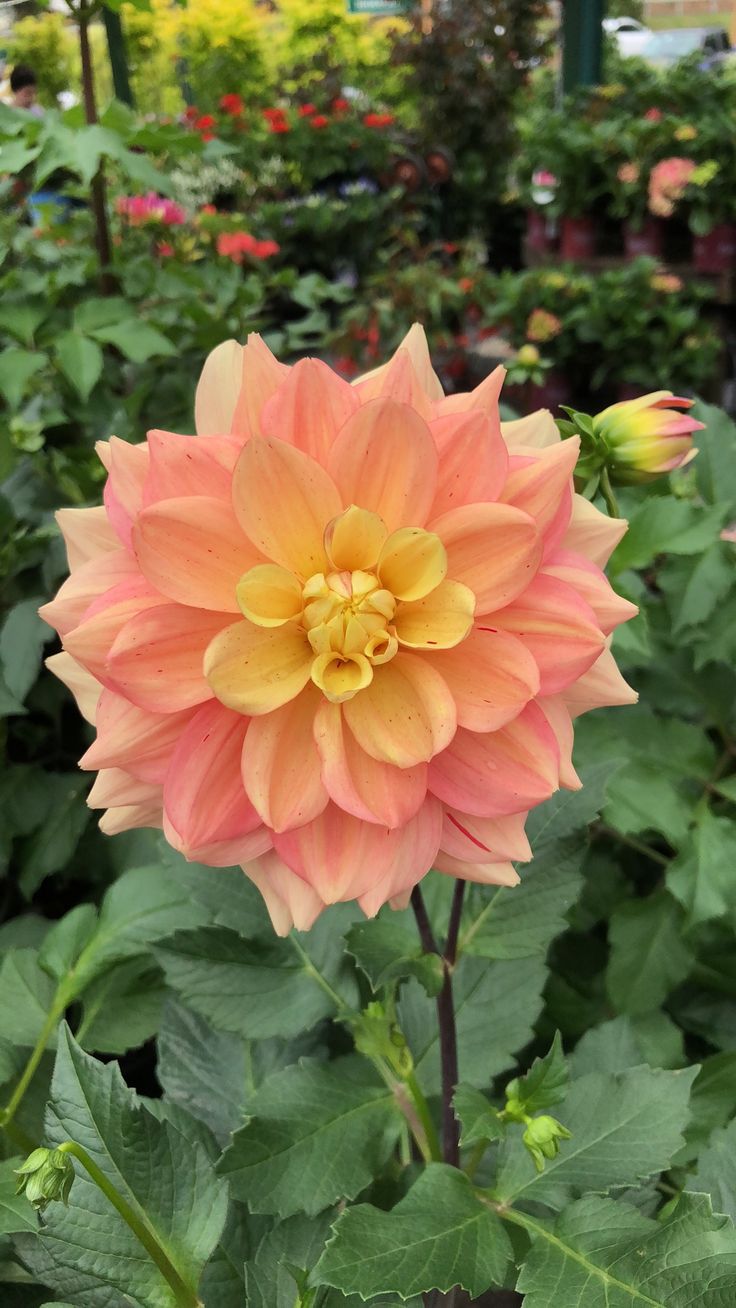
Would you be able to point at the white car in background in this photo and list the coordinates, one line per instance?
(630, 35)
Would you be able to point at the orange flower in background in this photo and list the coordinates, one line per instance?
(339, 636)
(236, 245)
(542, 325)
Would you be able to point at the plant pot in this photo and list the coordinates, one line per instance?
(646, 239)
(538, 235)
(577, 238)
(715, 252)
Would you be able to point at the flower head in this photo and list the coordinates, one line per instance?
(628, 173)
(667, 182)
(653, 115)
(378, 120)
(668, 283)
(318, 121)
(232, 103)
(340, 635)
(647, 437)
(543, 326)
(45, 1176)
(306, 110)
(236, 245)
(340, 105)
(687, 132)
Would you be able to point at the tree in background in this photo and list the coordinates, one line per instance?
(464, 74)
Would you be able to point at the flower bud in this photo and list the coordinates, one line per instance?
(646, 438)
(46, 1175)
(542, 1139)
(527, 356)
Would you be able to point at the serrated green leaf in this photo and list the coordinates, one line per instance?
(160, 1168)
(510, 989)
(314, 1135)
(81, 361)
(16, 1214)
(546, 1083)
(439, 1236)
(122, 1008)
(386, 950)
(604, 1254)
(223, 1280)
(716, 1171)
(628, 1042)
(479, 1120)
(298, 1241)
(701, 877)
(257, 988)
(625, 1126)
(663, 525)
(648, 956)
(521, 922)
(187, 1050)
(712, 1102)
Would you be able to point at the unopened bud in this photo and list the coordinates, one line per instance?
(542, 1139)
(46, 1175)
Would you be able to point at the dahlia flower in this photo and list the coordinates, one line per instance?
(339, 636)
(647, 437)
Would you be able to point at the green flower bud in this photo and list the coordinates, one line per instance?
(542, 1139)
(46, 1175)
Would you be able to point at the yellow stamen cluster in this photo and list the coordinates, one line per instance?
(352, 613)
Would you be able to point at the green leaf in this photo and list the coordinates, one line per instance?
(161, 1170)
(16, 1214)
(223, 1280)
(100, 311)
(80, 360)
(138, 341)
(315, 1135)
(26, 996)
(510, 989)
(22, 639)
(250, 987)
(648, 956)
(17, 367)
(695, 586)
(545, 1083)
(297, 1242)
(712, 1103)
(50, 847)
(701, 877)
(122, 1008)
(66, 939)
(715, 466)
(478, 1118)
(521, 922)
(625, 1126)
(187, 1050)
(604, 1254)
(716, 1171)
(22, 320)
(386, 950)
(663, 525)
(628, 1042)
(439, 1236)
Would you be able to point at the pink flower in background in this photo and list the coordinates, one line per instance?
(543, 178)
(653, 115)
(339, 636)
(140, 209)
(667, 182)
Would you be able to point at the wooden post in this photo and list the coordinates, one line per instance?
(98, 187)
(582, 43)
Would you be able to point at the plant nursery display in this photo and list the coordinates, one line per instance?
(367, 688)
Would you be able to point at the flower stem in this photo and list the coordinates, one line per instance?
(184, 1295)
(607, 492)
(424, 1115)
(445, 1014)
(47, 1030)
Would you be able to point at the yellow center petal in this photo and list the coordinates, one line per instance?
(355, 539)
(412, 563)
(340, 676)
(269, 595)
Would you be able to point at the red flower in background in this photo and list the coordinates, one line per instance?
(276, 119)
(653, 115)
(232, 103)
(340, 105)
(236, 245)
(319, 120)
(306, 110)
(379, 120)
(191, 113)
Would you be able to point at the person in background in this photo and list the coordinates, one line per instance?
(24, 90)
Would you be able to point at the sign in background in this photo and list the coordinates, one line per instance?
(379, 8)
